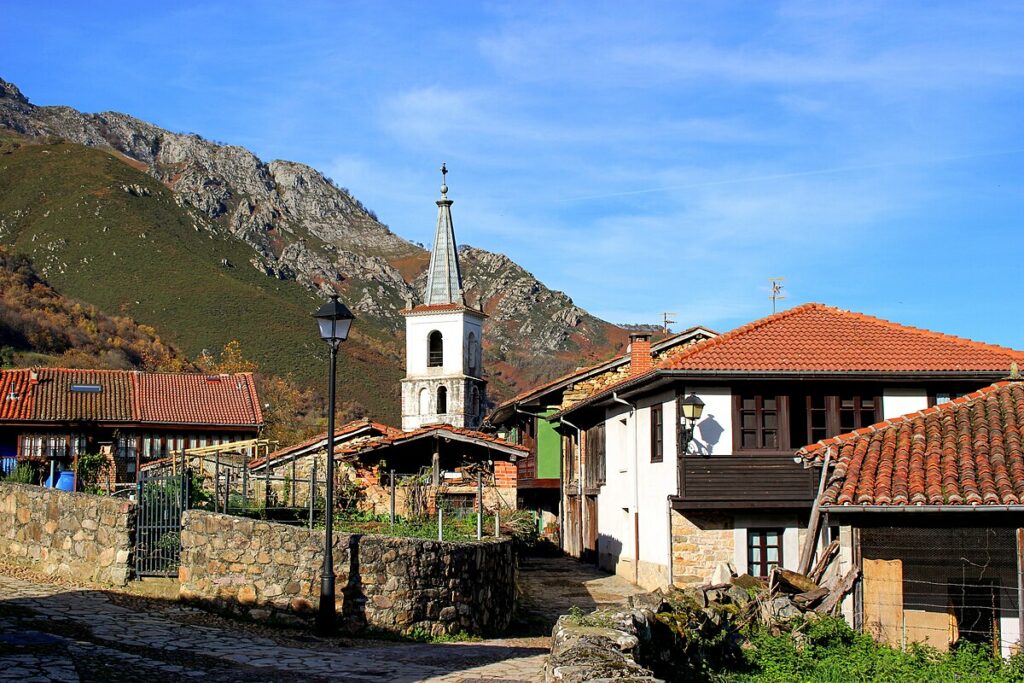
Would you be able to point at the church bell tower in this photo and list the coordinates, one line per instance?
(443, 379)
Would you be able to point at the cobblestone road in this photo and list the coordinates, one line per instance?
(54, 633)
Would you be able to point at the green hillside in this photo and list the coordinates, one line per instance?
(112, 236)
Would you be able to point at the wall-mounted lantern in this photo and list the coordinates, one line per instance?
(690, 408)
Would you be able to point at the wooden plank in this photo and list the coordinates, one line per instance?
(928, 628)
(883, 600)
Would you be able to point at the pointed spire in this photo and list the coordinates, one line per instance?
(444, 280)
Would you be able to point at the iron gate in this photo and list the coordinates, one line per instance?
(161, 500)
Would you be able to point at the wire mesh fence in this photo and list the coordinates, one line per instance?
(942, 586)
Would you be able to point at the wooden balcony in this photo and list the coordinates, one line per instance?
(761, 480)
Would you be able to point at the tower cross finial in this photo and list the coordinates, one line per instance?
(444, 183)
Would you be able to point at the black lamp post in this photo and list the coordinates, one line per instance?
(691, 408)
(334, 320)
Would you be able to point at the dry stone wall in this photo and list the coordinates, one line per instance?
(268, 571)
(73, 535)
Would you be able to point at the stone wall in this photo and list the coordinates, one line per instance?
(700, 543)
(269, 571)
(73, 535)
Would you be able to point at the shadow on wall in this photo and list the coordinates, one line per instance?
(609, 551)
(710, 433)
(353, 605)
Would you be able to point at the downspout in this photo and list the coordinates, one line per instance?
(579, 480)
(636, 489)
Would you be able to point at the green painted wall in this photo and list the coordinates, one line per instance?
(549, 448)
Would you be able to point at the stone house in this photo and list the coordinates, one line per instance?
(643, 500)
(51, 415)
(929, 506)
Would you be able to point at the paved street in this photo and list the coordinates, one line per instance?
(50, 632)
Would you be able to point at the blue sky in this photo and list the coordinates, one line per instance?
(641, 157)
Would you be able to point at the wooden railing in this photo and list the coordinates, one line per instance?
(760, 480)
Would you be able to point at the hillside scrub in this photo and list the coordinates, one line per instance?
(37, 323)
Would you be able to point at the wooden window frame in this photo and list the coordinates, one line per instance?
(763, 546)
(833, 419)
(657, 433)
(595, 463)
(781, 426)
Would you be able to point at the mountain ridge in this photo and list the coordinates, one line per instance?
(300, 226)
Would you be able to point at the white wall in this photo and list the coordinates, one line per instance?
(657, 481)
(615, 499)
(454, 326)
(896, 402)
(713, 435)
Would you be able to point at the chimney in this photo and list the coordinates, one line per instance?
(33, 377)
(640, 360)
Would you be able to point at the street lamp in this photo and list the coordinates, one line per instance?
(691, 407)
(334, 320)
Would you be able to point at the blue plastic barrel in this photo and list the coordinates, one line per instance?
(66, 481)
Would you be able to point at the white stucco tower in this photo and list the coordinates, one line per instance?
(443, 379)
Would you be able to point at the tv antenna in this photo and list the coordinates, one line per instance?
(666, 321)
(776, 295)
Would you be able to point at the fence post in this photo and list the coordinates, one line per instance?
(227, 490)
(245, 475)
(392, 498)
(312, 492)
(480, 506)
(497, 522)
(440, 523)
(216, 478)
(292, 487)
(266, 484)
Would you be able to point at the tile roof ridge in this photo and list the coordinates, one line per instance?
(725, 337)
(966, 341)
(812, 451)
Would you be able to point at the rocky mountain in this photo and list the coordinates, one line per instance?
(300, 227)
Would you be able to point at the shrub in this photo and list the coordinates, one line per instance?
(23, 473)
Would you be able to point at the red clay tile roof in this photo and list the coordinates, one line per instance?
(126, 396)
(402, 437)
(964, 452)
(186, 398)
(436, 308)
(658, 347)
(339, 432)
(55, 400)
(819, 338)
(15, 397)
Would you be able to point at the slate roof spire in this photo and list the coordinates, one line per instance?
(444, 280)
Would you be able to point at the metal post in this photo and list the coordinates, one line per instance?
(497, 521)
(227, 490)
(440, 523)
(266, 484)
(326, 614)
(312, 492)
(216, 479)
(245, 475)
(392, 498)
(480, 506)
(292, 487)
(1020, 582)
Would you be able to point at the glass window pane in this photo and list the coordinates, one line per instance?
(769, 403)
(772, 555)
(749, 421)
(755, 554)
(749, 439)
(748, 403)
(770, 440)
(770, 420)
(846, 404)
(770, 537)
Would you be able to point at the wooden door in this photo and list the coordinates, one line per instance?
(590, 529)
